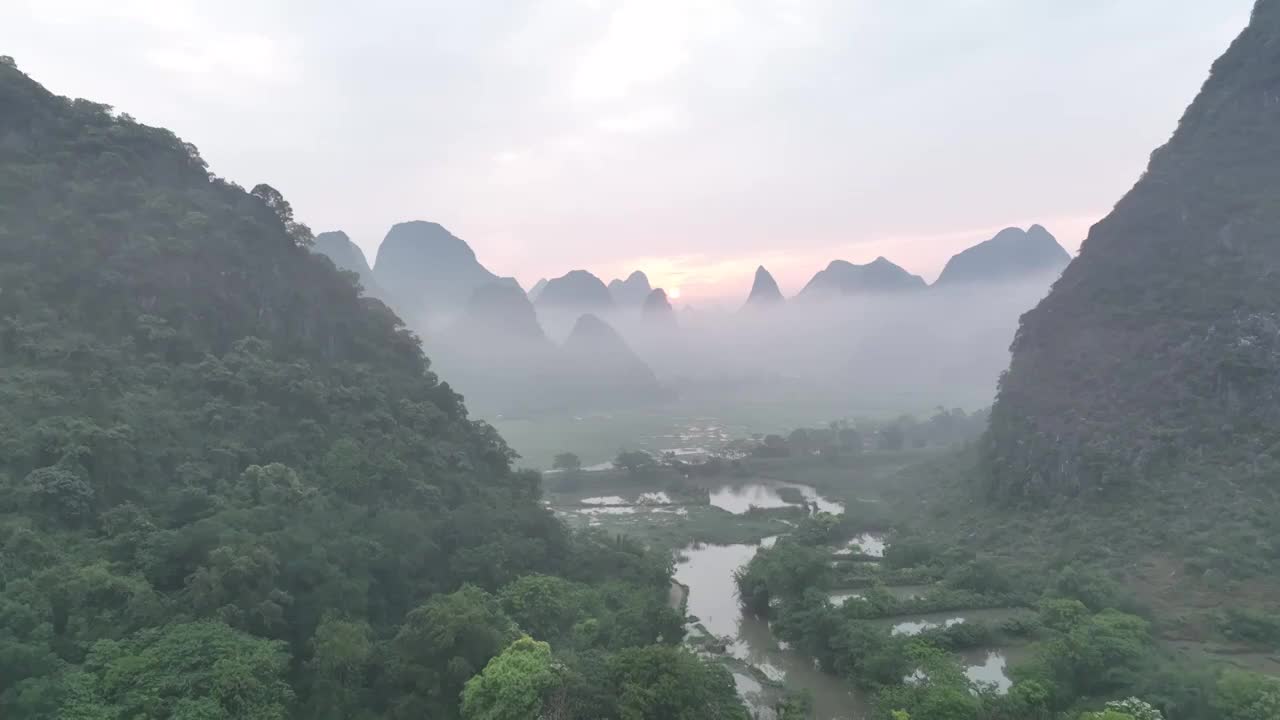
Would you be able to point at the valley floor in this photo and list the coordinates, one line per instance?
(1204, 616)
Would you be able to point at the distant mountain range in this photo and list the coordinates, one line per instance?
(486, 331)
(346, 255)
(429, 271)
(1011, 254)
(576, 291)
(657, 311)
(844, 279)
(496, 342)
(537, 289)
(631, 292)
(499, 311)
(764, 290)
(600, 361)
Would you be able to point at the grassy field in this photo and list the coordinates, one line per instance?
(597, 437)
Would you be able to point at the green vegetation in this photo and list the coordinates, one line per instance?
(567, 462)
(231, 485)
(636, 462)
(513, 685)
(232, 488)
(1091, 641)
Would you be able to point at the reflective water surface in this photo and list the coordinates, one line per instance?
(707, 570)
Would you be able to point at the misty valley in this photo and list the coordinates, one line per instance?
(247, 474)
(573, 346)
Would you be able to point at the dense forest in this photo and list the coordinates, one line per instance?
(231, 487)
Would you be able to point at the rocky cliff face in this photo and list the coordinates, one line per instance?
(1012, 254)
(1161, 340)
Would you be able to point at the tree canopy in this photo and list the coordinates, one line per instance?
(231, 486)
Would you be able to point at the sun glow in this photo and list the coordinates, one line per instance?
(674, 293)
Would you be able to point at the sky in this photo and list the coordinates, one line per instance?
(692, 139)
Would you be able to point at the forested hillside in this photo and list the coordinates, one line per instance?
(231, 487)
(1160, 344)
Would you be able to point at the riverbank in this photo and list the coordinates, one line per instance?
(714, 526)
(937, 582)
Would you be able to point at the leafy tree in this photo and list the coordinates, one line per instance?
(785, 570)
(1135, 708)
(636, 462)
(567, 462)
(909, 551)
(869, 654)
(939, 691)
(1090, 587)
(817, 529)
(670, 683)
(983, 575)
(544, 606)
(240, 586)
(1062, 614)
(1030, 700)
(513, 685)
(342, 655)
(1099, 654)
(440, 646)
(193, 670)
(795, 706)
(299, 233)
(61, 492)
(1247, 696)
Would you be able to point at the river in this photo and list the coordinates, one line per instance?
(706, 573)
(707, 570)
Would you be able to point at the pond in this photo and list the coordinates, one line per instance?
(901, 592)
(605, 500)
(740, 497)
(915, 624)
(869, 544)
(609, 510)
(839, 596)
(991, 665)
(707, 571)
(986, 665)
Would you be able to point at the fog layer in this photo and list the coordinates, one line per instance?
(871, 354)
